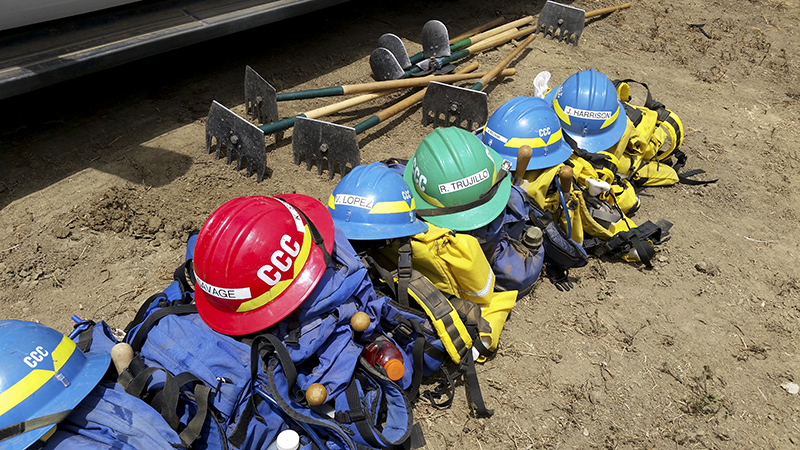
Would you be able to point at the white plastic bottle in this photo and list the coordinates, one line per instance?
(286, 440)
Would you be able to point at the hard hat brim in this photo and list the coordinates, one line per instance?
(472, 218)
(96, 365)
(369, 232)
(240, 323)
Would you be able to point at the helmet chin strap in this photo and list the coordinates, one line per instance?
(319, 241)
(483, 198)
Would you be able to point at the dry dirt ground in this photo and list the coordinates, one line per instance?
(103, 179)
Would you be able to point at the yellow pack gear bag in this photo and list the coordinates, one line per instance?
(446, 318)
(654, 173)
(602, 217)
(456, 265)
(623, 195)
(620, 148)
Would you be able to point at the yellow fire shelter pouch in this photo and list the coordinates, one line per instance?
(456, 265)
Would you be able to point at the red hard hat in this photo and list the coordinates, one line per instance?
(256, 260)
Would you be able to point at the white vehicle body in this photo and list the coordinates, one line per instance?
(44, 42)
(19, 13)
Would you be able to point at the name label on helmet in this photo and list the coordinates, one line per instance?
(232, 293)
(35, 357)
(354, 200)
(496, 135)
(464, 183)
(281, 259)
(586, 114)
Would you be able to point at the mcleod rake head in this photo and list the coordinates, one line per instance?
(445, 105)
(236, 136)
(562, 22)
(318, 141)
(259, 97)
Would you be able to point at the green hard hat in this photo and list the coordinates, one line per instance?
(453, 175)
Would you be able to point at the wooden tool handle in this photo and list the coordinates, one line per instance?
(524, 154)
(407, 82)
(601, 11)
(501, 29)
(316, 394)
(404, 104)
(507, 60)
(360, 321)
(496, 41)
(121, 355)
(565, 178)
(480, 28)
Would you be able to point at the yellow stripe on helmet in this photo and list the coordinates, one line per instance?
(331, 202)
(560, 112)
(536, 142)
(37, 378)
(611, 119)
(430, 199)
(281, 286)
(399, 206)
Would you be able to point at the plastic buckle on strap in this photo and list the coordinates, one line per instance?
(351, 416)
(404, 265)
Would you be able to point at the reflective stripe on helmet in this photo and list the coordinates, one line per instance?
(281, 284)
(536, 142)
(231, 293)
(38, 377)
(399, 206)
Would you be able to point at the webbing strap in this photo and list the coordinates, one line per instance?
(471, 376)
(170, 397)
(357, 414)
(403, 270)
(483, 198)
(32, 424)
(302, 420)
(443, 388)
(315, 233)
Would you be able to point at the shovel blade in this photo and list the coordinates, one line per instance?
(232, 135)
(259, 97)
(325, 143)
(562, 22)
(393, 43)
(445, 106)
(435, 40)
(384, 65)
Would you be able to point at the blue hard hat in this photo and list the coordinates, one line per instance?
(43, 374)
(374, 202)
(589, 109)
(527, 121)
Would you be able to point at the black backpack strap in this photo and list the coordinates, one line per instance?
(316, 235)
(19, 428)
(365, 418)
(170, 396)
(269, 350)
(403, 270)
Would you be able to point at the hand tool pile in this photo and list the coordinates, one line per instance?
(430, 75)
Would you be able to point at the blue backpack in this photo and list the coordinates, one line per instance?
(243, 392)
(317, 344)
(515, 266)
(110, 418)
